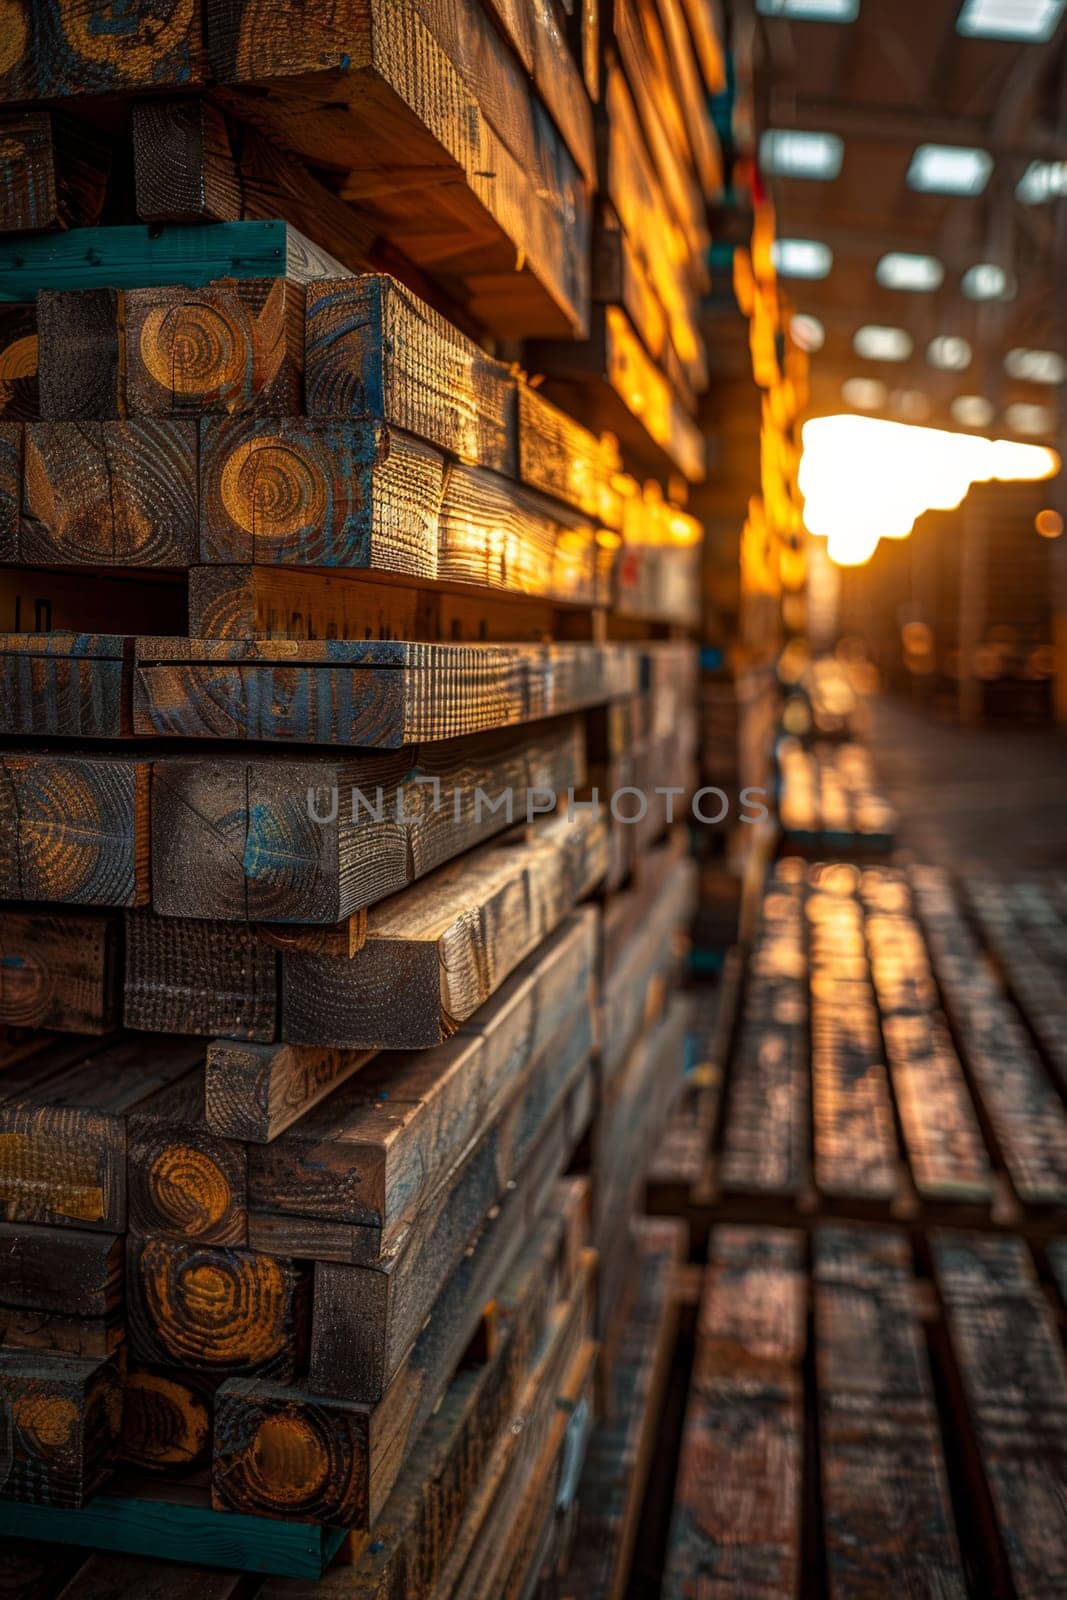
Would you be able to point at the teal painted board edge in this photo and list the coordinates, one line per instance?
(141, 256)
(180, 1533)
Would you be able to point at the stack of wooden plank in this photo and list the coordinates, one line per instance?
(349, 727)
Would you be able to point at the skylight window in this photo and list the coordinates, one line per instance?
(802, 258)
(900, 270)
(949, 169)
(987, 281)
(1036, 366)
(811, 10)
(1030, 419)
(1041, 182)
(797, 153)
(882, 344)
(972, 411)
(949, 352)
(864, 394)
(1030, 20)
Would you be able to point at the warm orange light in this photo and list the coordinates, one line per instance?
(1049, 524)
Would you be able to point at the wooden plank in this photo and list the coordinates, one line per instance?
(352, 1454)
(53, 172)
(1025, 1112)
(945, 1149)
(368, 1158)
(427, 1513)
(215, 1309)
(54, 52)
(375, 693)
(376, 352)
(166, 1421)
(137, 256)
(73, 1272)
(109, 494)
(19, 391)
(58, 971)
(736, 1527)
(75, 828)
(366, 1318)
(295, 839)
(179, 1529)
(888, 1512)
(1014, 1373)
(185, 1182)
(256, 1091)
(183, 166)
(293, 491)
(62, 1419)
(65, 685)
(183, 975)
(63, 1127)
(855, 1136)
(612, 380)
(765, 1147)
(359, 100)
(494, 533)
(564, 460)
(436, 952)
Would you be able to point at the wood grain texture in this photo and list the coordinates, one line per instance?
(255, 1091)
(80, 354)
(366, 1318)
(495, 533)
(65, 685)
(563, 459)
(183, 975)
(436, 952)
(66, 1270)
(55, 48)
(232, 348)
(166, 1421)
(374, 693)
(324, 494)
(63, 1127)
(215, 1309)
(75, 829)
(376, 352)
(58, 971)
(307, 840)
(349, 1455)
(109, 494)
(53, 172)
(62, 1417)
(184, 1181)
(183, 166)
(19, 390)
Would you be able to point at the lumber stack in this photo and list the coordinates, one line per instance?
(349, 731)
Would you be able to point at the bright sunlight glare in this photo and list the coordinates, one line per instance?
(864, 480)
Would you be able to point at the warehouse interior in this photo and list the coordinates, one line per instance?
(533, 799)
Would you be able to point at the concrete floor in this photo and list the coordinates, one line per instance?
(993, 797)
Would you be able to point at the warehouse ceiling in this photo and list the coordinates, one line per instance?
(952, 94)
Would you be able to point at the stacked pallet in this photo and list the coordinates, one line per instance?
(828, 801)
(897, 1444)
(349, 730)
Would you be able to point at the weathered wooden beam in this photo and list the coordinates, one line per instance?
(215, 1309)
(185, 1182)
(184, 975)
(74, 829)
(19, 392)
(303, 492)
(65, 685)
(564, 460)
(62, 1418)
(166, 1421)
(375, 352)
(436, 952)
(58, 971)
(375, 693)
(311, 840)
(108, 494)
(53, 172)
(52, 52)
(63, 1123)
